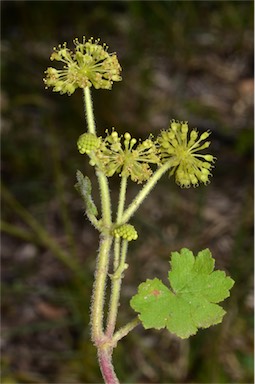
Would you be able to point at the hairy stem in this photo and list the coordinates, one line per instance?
(122, 332)
(121, 204)
(122, 198)
(116, 259)
(105, 362)
(118, 266)
(97, 308)
(89, 110)
(128, 213)
(105, 199)
(115, 290)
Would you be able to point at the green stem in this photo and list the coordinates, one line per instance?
(118, 266)
(97, 308)
(92, 218)
(122, 198)
(115, 291)
(116, 253)
(89, 110)
(123, 331)
(144, 192)
(105, 199)
(102, 179)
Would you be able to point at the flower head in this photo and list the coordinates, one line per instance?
(90, 64)
(126, 231)
(127, 158)
(190, 167)
(87, 142)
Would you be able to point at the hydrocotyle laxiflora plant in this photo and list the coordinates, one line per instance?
(190, 301)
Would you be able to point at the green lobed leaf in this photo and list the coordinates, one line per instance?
(83, 186)
(192, 301)
(153, 301)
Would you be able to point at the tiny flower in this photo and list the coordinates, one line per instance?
(189, 166)
(90, 64)
(127, 158)
(126, 231)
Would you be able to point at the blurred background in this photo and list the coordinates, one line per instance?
(184, 60)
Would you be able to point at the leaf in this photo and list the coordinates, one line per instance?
(153, 301)
(83, 186)
(192, 301)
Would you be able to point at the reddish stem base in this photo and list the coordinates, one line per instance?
(105, 362)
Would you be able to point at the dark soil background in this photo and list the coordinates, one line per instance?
(186, 60)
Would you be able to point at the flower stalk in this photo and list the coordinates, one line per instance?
(89, 110)
(97, 306)
(116, 278)
(129, 212)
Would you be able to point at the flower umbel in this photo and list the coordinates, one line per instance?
(90, 64)
(189, 166)
(87, 142)
(126, 231)
(130, 159)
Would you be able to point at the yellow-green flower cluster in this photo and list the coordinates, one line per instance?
(90, 64)
(129, 159)
(87, 142)
(126, 231)
(183, 149)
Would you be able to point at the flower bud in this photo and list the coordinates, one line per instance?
(126, 231)
(204, 136)
(87, 142)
